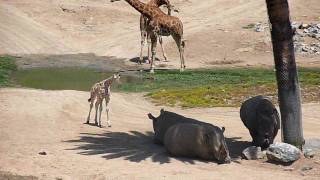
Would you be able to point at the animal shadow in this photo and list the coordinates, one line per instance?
(133, 146)
(236, 146)
(144, 59)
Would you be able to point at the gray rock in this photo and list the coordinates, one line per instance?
(283, 152)
(308, 153)
(252, 153)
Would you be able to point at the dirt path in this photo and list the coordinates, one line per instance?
(213, 29)
(32, 121)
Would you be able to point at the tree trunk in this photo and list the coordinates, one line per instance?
(286, 72)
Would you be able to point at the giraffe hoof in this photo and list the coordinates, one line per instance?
(109, 125)
(87, 122)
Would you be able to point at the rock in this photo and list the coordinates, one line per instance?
(252, 153)
(304, 26)
(306, 168)
(283, 152)
(258, 27)
(42, 153)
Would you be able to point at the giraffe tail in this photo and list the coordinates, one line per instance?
(89, 99)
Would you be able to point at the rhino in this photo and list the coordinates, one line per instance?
(194, 140)
(165, 120)
(261, 117)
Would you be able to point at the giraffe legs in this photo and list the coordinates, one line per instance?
(154, 38)
(181, 44)
(149, 44)
(107, 109)
(92, 98)
(143, 40)
(100, 112)
(162, 49)
(96, 107)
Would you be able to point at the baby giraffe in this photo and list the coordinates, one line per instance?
(100, 91)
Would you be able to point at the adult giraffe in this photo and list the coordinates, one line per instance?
(160, 23)
(144, 23)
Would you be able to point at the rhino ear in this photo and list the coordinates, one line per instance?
(223, 129)
(161, 111)
(152, 117)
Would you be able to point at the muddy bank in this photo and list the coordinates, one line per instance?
(82, 60)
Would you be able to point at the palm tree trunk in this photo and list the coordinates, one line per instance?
(286, 72)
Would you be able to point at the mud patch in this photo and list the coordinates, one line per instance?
(84, 60)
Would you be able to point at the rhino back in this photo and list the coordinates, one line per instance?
(168, 119)
(248, 112)
(185, 140)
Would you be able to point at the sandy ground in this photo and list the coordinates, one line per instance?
(33, 121)
(213, 30)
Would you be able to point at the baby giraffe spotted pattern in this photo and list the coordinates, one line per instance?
(100, 91)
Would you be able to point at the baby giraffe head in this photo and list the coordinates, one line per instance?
(116, 76)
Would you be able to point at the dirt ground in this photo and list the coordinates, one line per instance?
(34, 121)
(213, 29)
(101, 34)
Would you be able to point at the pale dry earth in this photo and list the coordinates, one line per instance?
(213, 29)
(34, 121)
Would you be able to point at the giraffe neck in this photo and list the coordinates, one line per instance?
(141, 7)
(157, 3)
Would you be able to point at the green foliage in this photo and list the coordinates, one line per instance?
(214, 87)
(7, 66)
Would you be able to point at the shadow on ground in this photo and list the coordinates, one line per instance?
(136, 147)
(236, 146)
(144, 59)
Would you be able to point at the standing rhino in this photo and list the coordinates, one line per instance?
(260, 116)
(194, 140)
(165, 120)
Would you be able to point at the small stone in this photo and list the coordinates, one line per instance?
(288, 169)
(42, 153)
(308, 153)
(283, 152)
(304, 26)
(252, 153)
(306, 168)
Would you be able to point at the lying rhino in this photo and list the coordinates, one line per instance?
(260, 116)
(165, 120)
(194, 140)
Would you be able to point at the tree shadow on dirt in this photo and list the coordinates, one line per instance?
(236, 146)
(134, 146)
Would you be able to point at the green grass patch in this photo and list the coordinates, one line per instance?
(59, 78)
(7, 66)
(216, 87)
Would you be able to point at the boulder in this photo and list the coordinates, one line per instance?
(252, 153)
(283, 152)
